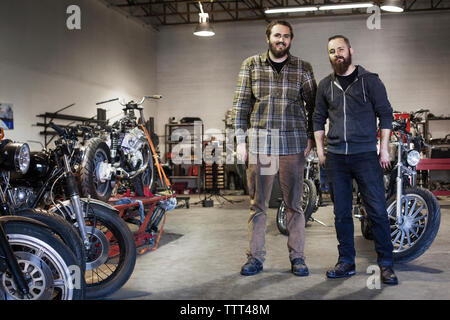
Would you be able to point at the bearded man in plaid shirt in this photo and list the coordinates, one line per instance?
(273, 106)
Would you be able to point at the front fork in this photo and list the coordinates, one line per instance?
(13, 265)
(72, 192)
(402, 170)
(399, 184)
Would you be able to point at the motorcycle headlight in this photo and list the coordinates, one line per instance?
(310, 157)
(413, 158)
(16, 157)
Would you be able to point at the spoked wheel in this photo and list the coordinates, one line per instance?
(309, 198)
(49, 266)
(94, 176)
(111, 256)
(281, 219)
(418, 226)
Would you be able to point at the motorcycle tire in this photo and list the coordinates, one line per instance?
(63, 229)
(110, 262)
(309, 201)
(96, 151)
(281, 219)
(419, 228)
(49, 261)
(144, 180)
(309, 189)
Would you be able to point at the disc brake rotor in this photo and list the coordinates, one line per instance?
(99, 248)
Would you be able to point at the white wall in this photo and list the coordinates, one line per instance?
(44, 66)
(410, 52)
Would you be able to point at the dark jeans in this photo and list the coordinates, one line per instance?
(366, 170)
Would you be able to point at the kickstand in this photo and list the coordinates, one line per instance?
(318, 221)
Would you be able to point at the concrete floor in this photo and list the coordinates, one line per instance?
(202, 250)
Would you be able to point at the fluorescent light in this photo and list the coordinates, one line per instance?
(391, 9)
(288, 10)
(392, 6)
(346, 6)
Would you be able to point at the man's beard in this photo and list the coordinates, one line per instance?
(276, 53)
(340, 67)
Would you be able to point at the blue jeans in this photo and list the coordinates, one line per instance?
(366, 170)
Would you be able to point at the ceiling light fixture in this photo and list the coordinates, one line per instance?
(289, 10)
(203, 29)
(392, 6)
(347, 6)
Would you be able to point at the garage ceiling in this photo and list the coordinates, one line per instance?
(159, 13)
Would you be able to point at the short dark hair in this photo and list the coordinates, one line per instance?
(339, 36)
(280, 22)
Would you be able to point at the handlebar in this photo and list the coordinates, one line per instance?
(155, 97)
(59, 130)
(65, 133)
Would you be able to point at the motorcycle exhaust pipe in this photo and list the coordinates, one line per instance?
(132, 174)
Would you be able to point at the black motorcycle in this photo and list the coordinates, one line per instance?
(50, 183)
(120, 157)
(37, 252)
(414, 212)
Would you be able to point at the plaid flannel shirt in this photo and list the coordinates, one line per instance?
(271, 107)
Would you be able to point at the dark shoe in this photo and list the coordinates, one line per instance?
(388, 276)
(299, 267)
(341, 270)
(251, 267)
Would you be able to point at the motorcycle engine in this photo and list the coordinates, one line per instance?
(24, 197)
(132, 141)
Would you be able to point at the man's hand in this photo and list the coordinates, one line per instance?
(241, 152)
(385, 161)
(318, 136)
(322, 157)
(308, 147)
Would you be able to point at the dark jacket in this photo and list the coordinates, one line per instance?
(352, 114)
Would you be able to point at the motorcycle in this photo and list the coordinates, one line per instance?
(414, 212)
(122, 154)
(37, 260)
(107, 240)
(312, 195)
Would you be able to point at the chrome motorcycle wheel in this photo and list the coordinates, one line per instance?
(308, 204)
(418, 226)
(413, 223)
(48, 265)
